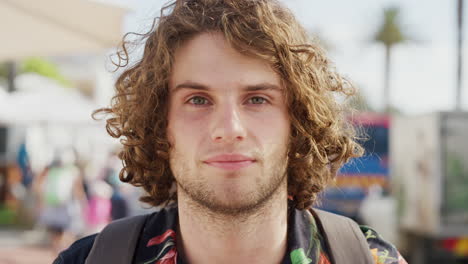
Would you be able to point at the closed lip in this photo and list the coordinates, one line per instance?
(230, 161)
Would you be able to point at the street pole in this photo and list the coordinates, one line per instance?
(459, 55)
(11, 68)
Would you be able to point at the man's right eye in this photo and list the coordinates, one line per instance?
(198, 100)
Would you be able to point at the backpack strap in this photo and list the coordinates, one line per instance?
(116, 243)
(344, 239)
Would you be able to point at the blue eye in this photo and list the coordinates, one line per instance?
(198, 100)
(257, 100)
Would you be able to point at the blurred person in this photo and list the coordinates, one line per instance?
(58, 189)
(81, 197)
(26, 210)
(98, 212)
(231, 126)
(83, 165)
(119, 206)
(23, 162)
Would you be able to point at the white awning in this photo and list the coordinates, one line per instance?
(57, 27)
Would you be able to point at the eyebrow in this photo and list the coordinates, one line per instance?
(249, 88)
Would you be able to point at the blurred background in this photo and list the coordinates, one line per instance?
(59, 171)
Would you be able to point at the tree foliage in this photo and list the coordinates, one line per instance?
(44, 68)
(390, 31)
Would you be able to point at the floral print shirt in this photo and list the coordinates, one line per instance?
(157, 244)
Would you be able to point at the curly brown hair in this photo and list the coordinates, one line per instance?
(321, 139)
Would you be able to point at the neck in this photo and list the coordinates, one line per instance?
(257, 237)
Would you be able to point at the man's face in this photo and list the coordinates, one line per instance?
(228, 125)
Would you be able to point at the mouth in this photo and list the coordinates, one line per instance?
(230, 161)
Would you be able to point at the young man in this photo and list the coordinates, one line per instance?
(229, 123)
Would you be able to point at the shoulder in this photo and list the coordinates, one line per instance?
(80, 250)
(77, 252)
(382, 251)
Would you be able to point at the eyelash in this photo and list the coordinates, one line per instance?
(259, 97)
(190, 100)
(196, 97)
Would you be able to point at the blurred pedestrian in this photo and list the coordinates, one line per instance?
(98, 213)
(119, 205)
(23, 162)
(59, 193)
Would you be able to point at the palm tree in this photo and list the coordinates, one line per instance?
(389, 34)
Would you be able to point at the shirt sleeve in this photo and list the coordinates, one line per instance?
(382, 251)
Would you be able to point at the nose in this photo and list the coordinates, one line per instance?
(227, 125)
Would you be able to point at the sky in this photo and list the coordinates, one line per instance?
(423, 71)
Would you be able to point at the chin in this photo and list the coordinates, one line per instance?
(232, 200)
(232, 207)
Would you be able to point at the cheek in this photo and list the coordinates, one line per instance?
(272, 130)
(183, 118)
(184, 128)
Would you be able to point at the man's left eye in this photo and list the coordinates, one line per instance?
(257, 100)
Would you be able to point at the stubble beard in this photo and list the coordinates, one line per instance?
(199, 193)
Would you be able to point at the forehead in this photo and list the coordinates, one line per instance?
(209, 59)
